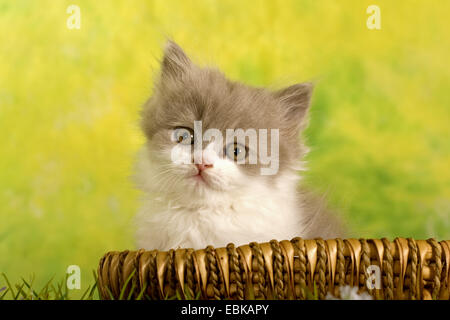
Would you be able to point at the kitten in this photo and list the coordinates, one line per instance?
(220, 200)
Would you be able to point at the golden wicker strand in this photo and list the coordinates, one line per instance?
(153, 278)
(300, 251)
(244, 272)
(236, 272)
(278, 266)
(413, 259)
(122, 256)
(258, 268)
(213, 289)
(445, 283)
(365, 257)
(321, 268)
(100, 276)
(170, 275)
(136, 280)
(388, 262)
(340, 262)
(190, 270)
(437, 256)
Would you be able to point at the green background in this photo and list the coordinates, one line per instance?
(69, 103)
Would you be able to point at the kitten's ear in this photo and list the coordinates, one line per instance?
(296, 100)
(175, 62)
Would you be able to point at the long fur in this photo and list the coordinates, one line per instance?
(234, 203)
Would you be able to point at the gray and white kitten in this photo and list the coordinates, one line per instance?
(220, 201)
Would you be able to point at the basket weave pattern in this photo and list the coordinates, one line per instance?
(296, 269)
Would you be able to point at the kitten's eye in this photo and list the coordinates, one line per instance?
(236, 152)
(183, 136)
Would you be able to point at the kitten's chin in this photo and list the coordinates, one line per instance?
(197, 191)
(203, 183)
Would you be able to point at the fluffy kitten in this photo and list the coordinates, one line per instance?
(221, 201)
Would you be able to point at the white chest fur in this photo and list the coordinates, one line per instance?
(259, 213)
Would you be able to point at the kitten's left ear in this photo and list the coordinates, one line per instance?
(296, 100)
(175, 62)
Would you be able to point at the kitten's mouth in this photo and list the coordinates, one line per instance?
(199, 178)
(203, 180)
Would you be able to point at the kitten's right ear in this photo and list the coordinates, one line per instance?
(296, 100)
(175, 62)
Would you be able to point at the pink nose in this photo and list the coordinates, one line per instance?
(203, 166)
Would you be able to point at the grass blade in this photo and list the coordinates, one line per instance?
(9, 284)
(94, 273)
(91, 293)
(4, 293)
(85, 292)
(141, 294)
(29, 286)
(133, 287)
(122, 291)
(20, 291)
(110, 294)
(44, 294)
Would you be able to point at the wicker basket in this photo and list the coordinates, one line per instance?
(296, 269)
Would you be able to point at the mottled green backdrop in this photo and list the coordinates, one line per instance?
(69, 102)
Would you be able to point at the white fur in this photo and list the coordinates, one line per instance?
(179, 211)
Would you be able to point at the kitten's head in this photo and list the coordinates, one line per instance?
(187, 95)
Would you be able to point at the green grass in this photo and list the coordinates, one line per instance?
(69, 102)
(58, 290)
(52, 290)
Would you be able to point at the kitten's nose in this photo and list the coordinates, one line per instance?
(203, 166)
